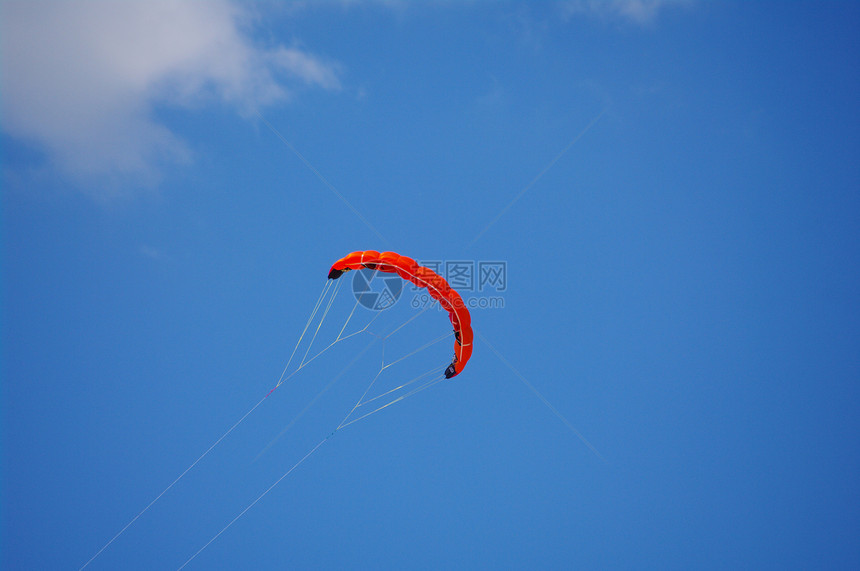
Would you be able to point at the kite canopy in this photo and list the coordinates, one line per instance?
(437, 287)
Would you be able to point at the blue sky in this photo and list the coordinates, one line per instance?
(674, 189)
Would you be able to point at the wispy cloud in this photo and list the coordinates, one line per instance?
(639, 12)
(80, 79)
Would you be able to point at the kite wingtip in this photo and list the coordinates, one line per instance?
(451, 371)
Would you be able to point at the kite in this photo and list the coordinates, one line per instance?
(423, 277)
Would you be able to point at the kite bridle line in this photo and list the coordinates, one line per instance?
(438, 378)
(325, 289)
(361, 402)
(310, 320)
(328, 288)
(436, 375)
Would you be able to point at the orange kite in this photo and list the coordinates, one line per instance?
(437, 287)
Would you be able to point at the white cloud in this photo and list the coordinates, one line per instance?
(80, 78)
(640, 12)
(306, 67)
